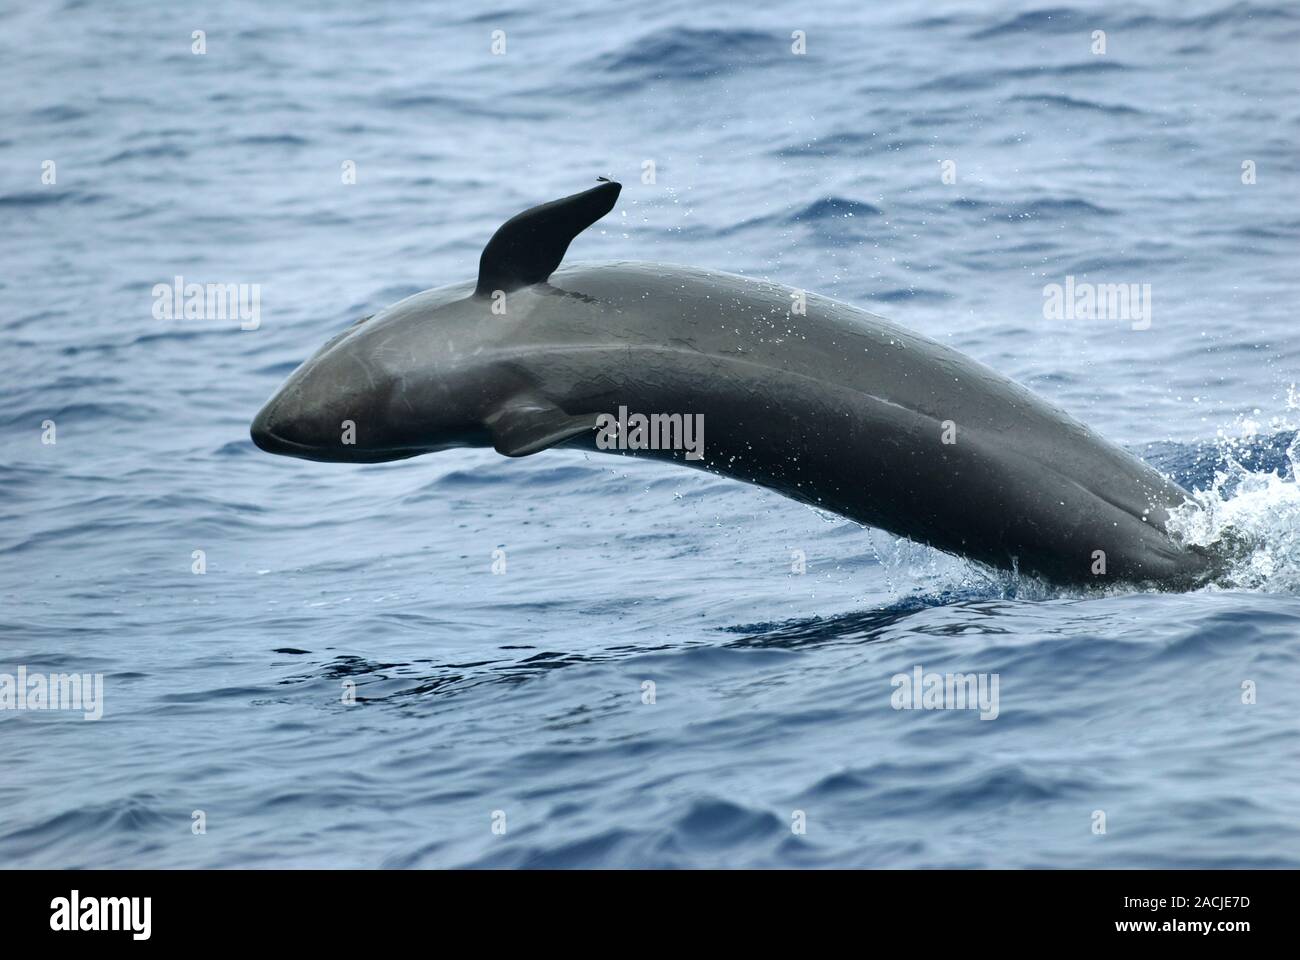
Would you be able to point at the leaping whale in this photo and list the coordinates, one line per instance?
(810, 397)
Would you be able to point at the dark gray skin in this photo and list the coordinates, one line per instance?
(838, 408)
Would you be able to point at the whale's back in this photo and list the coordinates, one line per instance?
(757, 338)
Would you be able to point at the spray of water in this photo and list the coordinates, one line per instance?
(1250, 520)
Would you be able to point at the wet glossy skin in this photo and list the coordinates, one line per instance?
(837, 408)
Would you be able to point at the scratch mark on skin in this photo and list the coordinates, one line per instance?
(400, 388)
(554, 291)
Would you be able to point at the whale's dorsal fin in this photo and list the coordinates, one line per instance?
(530, 245)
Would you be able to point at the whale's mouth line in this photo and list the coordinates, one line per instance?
(282, 443)
(278, 444)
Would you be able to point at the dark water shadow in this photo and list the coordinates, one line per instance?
(867, 626)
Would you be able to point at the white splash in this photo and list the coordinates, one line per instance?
(1251, 520)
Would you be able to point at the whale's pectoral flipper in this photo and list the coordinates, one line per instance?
(525, 426)
(528, 247)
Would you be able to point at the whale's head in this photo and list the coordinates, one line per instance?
(419, 377)
(389, 387)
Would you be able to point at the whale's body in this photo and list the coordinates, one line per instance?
(832, 406)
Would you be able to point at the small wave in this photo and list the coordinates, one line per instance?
(993, 788)
(1232, 14)
(713, 823)
(1057, 207)
(160, 151)
(274, 140)
(410, 683)
(1068, 19)
(1045, 208)
(242, 447)
(224, 329)
(1073, 103)
(1277, 231)
(420, 101)
(78, 415)
(686, 54)
(132, 815)
(970, 80)
(1050, 20)
(60, 113)
(833, 208)
(45, 198)
(912, 295)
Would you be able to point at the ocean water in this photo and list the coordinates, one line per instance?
(500, 718)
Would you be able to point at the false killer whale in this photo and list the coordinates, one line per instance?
(804, 395)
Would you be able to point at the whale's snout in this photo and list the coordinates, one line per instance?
(263, 432)
(340, 409)
(262, 436)
(303, 420)
(275, 432)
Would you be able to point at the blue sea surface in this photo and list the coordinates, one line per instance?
(501, 719)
